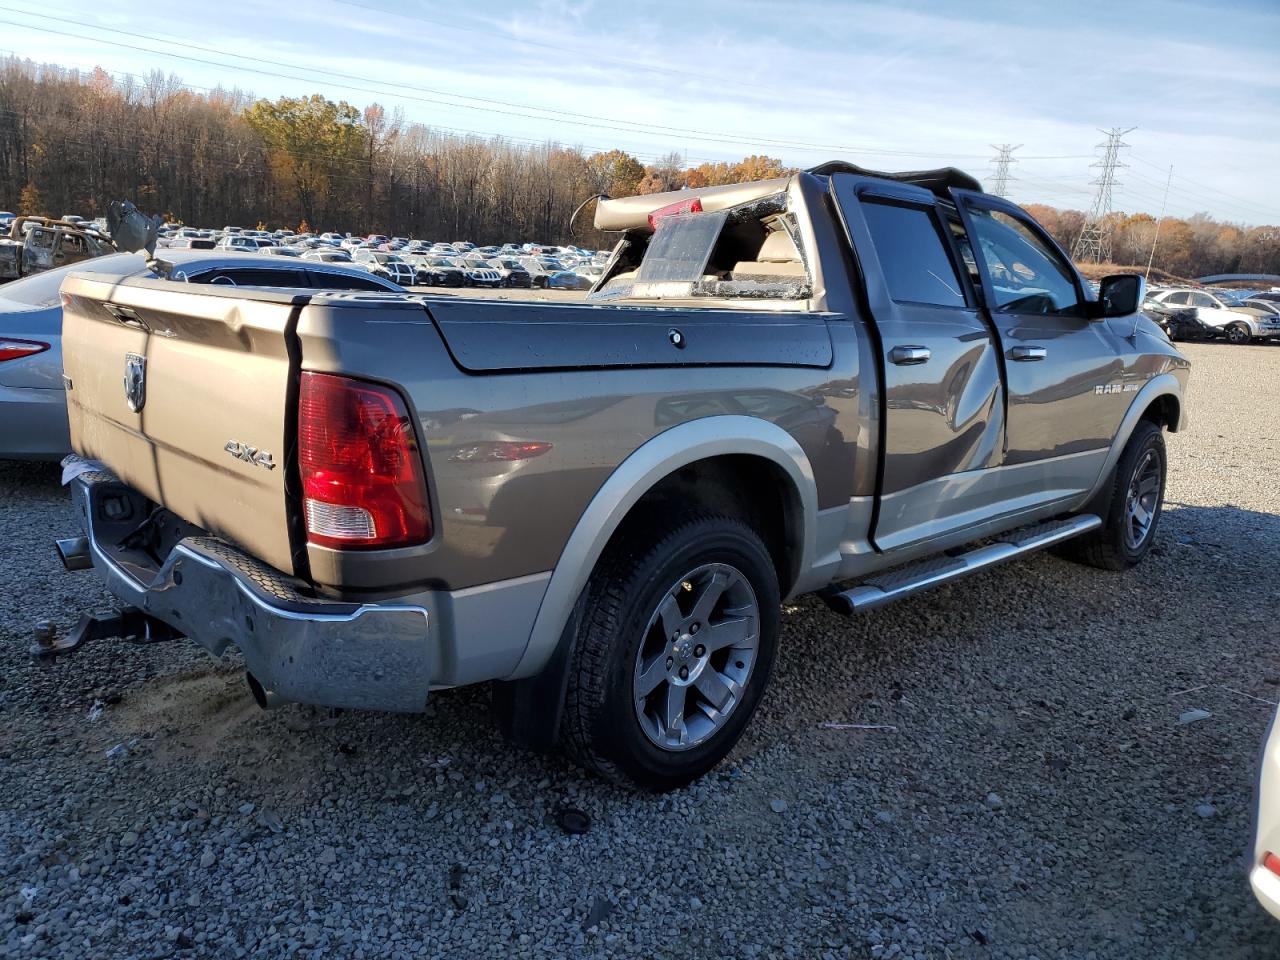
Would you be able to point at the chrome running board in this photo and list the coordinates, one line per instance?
(886, 587)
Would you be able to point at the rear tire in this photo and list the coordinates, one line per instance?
(1133, 506)
(673, 652)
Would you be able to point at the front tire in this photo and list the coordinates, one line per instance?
(673, 651)
(1133, 507)
(1238, 334)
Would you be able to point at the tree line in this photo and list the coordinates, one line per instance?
(72, 141)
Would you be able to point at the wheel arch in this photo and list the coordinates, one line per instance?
(645, 471)
(1160, 402)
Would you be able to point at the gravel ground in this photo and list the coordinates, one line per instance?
(1037, 796)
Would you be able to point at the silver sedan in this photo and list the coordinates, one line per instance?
(33, 407)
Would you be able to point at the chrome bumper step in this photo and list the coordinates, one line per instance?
(894, 585)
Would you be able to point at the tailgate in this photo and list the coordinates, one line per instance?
(185, 392)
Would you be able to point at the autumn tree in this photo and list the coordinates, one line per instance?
(615, 173)
(29, 201)
(316, 148)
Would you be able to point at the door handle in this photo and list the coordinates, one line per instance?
(1028, 353)
(906, 356)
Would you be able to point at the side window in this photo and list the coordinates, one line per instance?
(254, 278)
(1177, 299)
(1026, 274)
(915, 263)
(1202, 300)
(340, 281)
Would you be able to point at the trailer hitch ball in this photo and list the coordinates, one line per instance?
(46, 634)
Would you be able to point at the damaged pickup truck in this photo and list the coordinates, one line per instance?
(855, 383)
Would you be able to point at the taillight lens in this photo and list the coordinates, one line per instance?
(692, 205)
(362, 475)
(1272, 863)
(17, 349)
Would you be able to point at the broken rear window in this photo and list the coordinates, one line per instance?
(748, 251)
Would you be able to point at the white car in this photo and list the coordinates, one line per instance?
(1264, 867)
(1238, 323)
(234, 241)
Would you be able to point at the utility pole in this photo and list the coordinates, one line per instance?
(1094, 242)
(1000, 179)
(1154, 240)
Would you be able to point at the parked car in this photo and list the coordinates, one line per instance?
(436, 271)
(567, 280)
(511, 271)
(33, 410)
(1179, 322)
(1264, 858)
(382, 264)
(603, 505)
(1227, 315)
(233, 241)
(478, 274)
(327, 255)
(35, 244)
(192, 243)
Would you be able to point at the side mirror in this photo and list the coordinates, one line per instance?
(1119, 295)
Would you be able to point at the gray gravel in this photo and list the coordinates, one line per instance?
(1035, 797)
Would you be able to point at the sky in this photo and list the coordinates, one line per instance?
(891, 86)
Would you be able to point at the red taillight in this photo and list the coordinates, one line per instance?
(17, 349)
(692, 205)
(362, 477)
(1272, 863)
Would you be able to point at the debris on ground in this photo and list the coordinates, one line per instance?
(1193, 716)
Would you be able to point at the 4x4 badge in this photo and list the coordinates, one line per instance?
(135, 381)
(242, 451)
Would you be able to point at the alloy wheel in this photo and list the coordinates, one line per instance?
(1142, 501)
(696, 656)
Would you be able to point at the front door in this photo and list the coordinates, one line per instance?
(1067, 379)
(943, 406)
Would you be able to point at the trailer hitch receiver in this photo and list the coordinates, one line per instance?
(128, 624)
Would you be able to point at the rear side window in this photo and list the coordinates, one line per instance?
(254, 278)
(1178, 299)
(340, 281)
(914, 262)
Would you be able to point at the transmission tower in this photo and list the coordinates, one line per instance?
(1000, 179)
(1094, 242)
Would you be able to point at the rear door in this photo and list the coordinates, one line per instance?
(1068, 381)
(943, 415)
(184, 391)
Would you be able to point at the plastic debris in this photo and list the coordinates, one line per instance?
(832, 725)
(122, 749)
(96, 711)
(1193, 716)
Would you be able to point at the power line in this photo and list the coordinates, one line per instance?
(1095, 237)
(1251, 203)
(485, 104)
(1000, 179)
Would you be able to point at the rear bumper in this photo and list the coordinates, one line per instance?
(329, 653)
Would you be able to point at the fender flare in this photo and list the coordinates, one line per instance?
(1161, 385)
(635, 476)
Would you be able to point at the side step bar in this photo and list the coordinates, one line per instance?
(888, 587)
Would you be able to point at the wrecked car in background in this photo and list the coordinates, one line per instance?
(35, 244)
